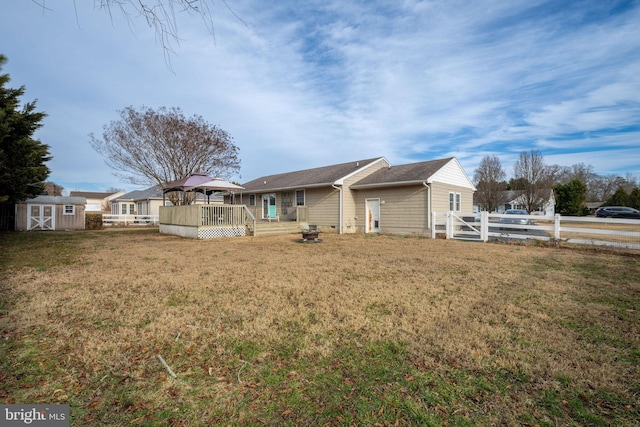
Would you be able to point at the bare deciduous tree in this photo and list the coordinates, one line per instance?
(157, 146)
(533, 178)
(489, 179)
(160, 15)
(53, 189)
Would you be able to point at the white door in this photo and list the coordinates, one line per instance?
(41, 217)
(372, 220)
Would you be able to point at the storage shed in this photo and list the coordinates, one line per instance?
(51, 213)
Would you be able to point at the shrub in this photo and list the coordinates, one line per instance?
(93, 221)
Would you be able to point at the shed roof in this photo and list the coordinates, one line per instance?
(57, 200)
(322, 176)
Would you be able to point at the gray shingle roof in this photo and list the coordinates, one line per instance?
(326, 175)
(410, 173)
(154, 192)
(90, 194)
(58, 200)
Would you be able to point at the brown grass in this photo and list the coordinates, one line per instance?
(356, 329)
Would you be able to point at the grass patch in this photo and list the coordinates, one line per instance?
(375, 331)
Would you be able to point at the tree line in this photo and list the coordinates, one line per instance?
(533, 180)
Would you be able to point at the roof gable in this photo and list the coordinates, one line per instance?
(322, 176)
(453, 173)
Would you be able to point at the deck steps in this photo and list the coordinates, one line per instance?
(274, 228)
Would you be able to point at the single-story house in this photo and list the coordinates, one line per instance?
(592, 207)
(370, 196)
(51, 213)
(138, 202)
(97, 202)
(148, 202)
(515, 200)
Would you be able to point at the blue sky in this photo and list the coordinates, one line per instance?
(306, 84)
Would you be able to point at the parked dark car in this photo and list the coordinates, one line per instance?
(617, 212)
(519, 217)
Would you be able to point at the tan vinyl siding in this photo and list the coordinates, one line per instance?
(403, 212)
(440, 197)
(350, 199)
(323, 204)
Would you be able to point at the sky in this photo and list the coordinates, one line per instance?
(307, 84)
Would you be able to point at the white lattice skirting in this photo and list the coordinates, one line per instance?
(217, 232)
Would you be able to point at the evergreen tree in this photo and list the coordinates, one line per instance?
(570, 198)
(22, 159)
(634, 198)
(619, 198)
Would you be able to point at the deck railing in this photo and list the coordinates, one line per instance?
(206, 215)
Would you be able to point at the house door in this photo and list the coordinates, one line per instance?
(372, 210)
(269, 206)
(41, 217)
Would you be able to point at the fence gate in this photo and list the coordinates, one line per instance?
(467, 227)
(41, 217)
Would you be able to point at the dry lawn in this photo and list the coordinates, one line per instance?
(356, 330)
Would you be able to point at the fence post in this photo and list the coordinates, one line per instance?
(556, 227)
(449, 225)
(484, 226)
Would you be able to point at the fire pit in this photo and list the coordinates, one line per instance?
(310, 232)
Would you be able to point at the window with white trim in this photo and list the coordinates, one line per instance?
(455, 202)
(299, 197)
(69, 210)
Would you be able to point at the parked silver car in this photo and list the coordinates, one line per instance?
(519, 217)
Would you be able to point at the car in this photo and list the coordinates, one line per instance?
(515, 219)
(617, 212)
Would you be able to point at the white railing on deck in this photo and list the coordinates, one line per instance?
(111, 220)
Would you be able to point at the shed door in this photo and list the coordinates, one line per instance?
(372, 209)
(41, 217)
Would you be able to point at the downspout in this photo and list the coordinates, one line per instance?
(339, 207)
(428, 204)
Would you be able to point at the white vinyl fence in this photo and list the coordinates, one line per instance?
(622, 233)
(122, 220)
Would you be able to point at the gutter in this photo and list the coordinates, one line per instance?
(293, 187)
(387, 184)
(428, 204)
(340, 207)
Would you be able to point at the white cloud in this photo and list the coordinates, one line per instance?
(308, 84)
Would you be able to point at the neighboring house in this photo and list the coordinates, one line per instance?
(51, 213)
(138, 202)
(148, 202)
(515, 201)
(97, 202)
(592, 206)
(370, 196)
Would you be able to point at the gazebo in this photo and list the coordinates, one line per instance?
(204, 221)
